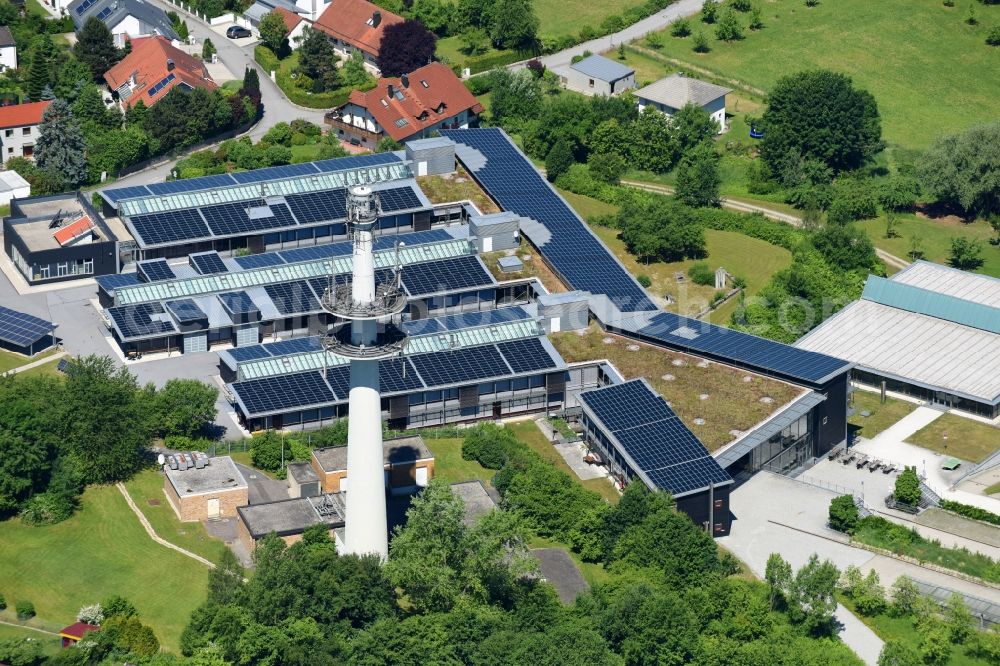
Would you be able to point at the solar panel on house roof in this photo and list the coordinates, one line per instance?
(526, 355)
(22, 329)
(460, 366)
(434, 277)
(207, 263)
(293, 297)
(154, 270)
(144, 319)
(282, 392)
(178, 225)
(741, 348)
(577, 255)
(656, 440)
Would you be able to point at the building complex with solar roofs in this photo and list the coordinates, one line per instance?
(929, 332)
(477, 347)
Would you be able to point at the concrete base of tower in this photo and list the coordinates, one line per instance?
(366, 529)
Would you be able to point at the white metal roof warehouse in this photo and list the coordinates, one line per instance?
(930, 331)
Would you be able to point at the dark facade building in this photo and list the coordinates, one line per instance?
(59, 237)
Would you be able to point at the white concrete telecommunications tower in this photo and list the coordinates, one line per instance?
(369, 336)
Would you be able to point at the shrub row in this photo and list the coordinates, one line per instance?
(488, 61)
(969, 511)
(754, 225)
(552, 502)
(881, 533)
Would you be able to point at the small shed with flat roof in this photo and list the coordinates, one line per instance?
(409, 465)
(289, 518)
(212, 490)
(597, 75)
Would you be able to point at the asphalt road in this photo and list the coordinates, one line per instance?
(657, 21)
(237, 58)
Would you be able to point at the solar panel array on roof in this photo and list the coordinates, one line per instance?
(318, 206)
(258, 175)
(398, 375)
(178, 225)
(460, 366)
(526, 355)
(339, 249)
(572, 249)
(294, 346)
(284, 392)
(434, 277)
(465, 320)
(293, 298)
(656, 440)
(112, 282)
(186, 311)
(22, 329)
(251, 353)
(207, 263)
(238, 302)
(741, 348)
(246, 217)
(142, 320)
(154, 270)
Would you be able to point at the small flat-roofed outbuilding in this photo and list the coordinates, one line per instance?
(477, 498)
(213, 490)
(302, 480)
(289, 518)
(409, 465)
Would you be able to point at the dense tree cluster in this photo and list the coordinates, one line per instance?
(820, 117)
(962, 171)
(93, 427)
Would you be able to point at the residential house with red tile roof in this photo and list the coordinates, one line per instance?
(408, 107)
(294, 24)
(154, 68)
(356, 25)
(19, 129)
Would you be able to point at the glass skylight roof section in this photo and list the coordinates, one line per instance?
(284, 365)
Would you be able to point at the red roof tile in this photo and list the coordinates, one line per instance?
(22, 115)
(73, 231)
(432, 88)
(291, 18)
(78, 630)
(148, 62)
(348, 21)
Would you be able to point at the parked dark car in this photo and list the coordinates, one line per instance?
(237, 31)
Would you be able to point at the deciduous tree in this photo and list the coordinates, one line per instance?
(963, 170)
(405, 47)
(698, 177)
(274, 33)
(824, 117)
(512, 24)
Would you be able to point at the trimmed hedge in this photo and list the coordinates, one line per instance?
(488, 61)
(969, 511)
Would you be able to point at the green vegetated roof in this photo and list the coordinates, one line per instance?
(931, 303)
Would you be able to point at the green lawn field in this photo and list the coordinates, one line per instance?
(930, 72)
(558, 18)
(967, 439)
(880, 415)
(100, 551)
(935, 238)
